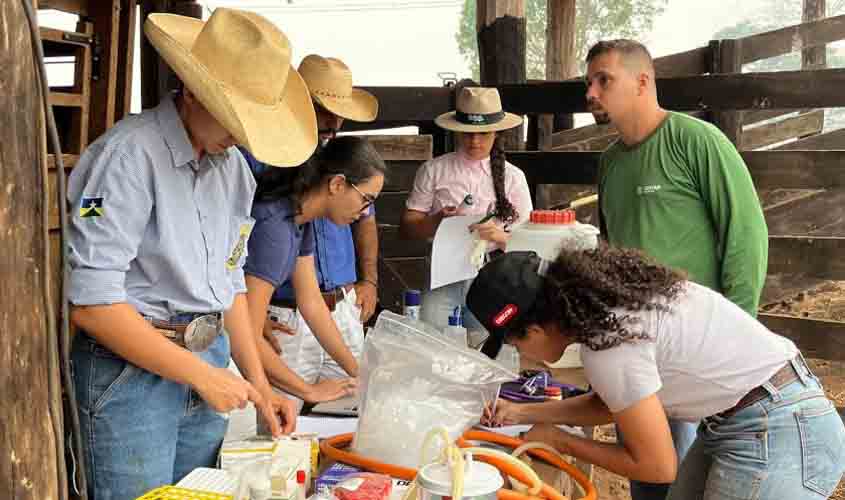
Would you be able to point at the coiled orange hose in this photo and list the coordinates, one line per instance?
(334, 448)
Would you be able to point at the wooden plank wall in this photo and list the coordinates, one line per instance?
(403, 264)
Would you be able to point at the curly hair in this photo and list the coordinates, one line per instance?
(583, 290)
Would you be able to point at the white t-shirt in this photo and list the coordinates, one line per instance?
(702, 356)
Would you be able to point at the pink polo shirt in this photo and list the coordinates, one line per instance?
(447, 179)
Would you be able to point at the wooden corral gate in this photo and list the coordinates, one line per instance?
(706, 81)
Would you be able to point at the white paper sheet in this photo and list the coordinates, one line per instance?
(326, 427)
(450, 252)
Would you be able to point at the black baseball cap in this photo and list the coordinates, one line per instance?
(505, 289)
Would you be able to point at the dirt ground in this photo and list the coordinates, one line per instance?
(825, 301)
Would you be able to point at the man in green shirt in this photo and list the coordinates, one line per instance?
(675, 187)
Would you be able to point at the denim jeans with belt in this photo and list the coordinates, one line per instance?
(141, 431)
(790, 445)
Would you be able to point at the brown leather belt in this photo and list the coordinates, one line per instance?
(786, 375)
(331, 298)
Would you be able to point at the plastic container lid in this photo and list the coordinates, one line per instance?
(300, 477)
(412, 297)
(552, 216)
(479, 479)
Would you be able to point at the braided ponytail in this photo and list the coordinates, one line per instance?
(507, 213)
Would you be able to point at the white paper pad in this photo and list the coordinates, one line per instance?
(326, 427)
(453, 244)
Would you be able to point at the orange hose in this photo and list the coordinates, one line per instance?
(333, 448)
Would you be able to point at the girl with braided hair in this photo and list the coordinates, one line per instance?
(471, 181)
(657, 346)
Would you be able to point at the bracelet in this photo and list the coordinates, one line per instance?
(365, 280)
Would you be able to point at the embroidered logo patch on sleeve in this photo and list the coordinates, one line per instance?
(233, 262)
(91, 207)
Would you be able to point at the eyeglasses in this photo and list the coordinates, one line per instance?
(368, 198)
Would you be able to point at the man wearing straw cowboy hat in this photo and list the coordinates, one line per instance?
(157, 248)
(350, 295)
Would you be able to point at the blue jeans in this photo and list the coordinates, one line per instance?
(437, 305)
(790, 445)
(683, 436)
(139, 430)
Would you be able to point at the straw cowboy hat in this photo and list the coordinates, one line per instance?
(478, 109)
(330, 83)
(268, 111)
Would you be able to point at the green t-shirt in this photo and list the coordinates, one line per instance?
(685, 197)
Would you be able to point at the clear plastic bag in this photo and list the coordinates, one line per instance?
(363, 486)
(413, 380)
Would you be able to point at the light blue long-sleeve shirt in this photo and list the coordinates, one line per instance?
(152, 226)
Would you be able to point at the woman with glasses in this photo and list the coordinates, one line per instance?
(340, 182)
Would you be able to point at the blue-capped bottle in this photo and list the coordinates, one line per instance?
(455, 331)
(411, 304)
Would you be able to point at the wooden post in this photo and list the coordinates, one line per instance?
(500, 25)
(560, 49)
(157, 79)
(105, 14)
(816, 57)
(727, 58)
(126, 57)
(29, 465)
(560, 65)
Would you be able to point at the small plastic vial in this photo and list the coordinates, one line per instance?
(300, 485)
(412, 301)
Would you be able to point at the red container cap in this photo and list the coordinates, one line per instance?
(300, 477)
(553, 391)
(552, 216)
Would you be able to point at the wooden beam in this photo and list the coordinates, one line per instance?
(30, 389)
(811, 256)
(580, 134)
(66, 99)
(769, 169)
(792, 38)
(749, 118)
(828, 140)
(63, 37)
(816, 338)
(411, 104)
(402, 147)
(551, 167)
(796, 169)
(69, 161)
(591, 144)
(691, 62)
(802, 125)
(775, 90)
(79, 7)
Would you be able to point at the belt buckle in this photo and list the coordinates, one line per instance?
(202, 332)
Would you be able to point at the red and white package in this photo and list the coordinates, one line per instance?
(364, 486)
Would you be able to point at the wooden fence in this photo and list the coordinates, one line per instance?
(705, 81)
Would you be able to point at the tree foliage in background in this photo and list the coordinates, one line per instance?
(594, 20)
